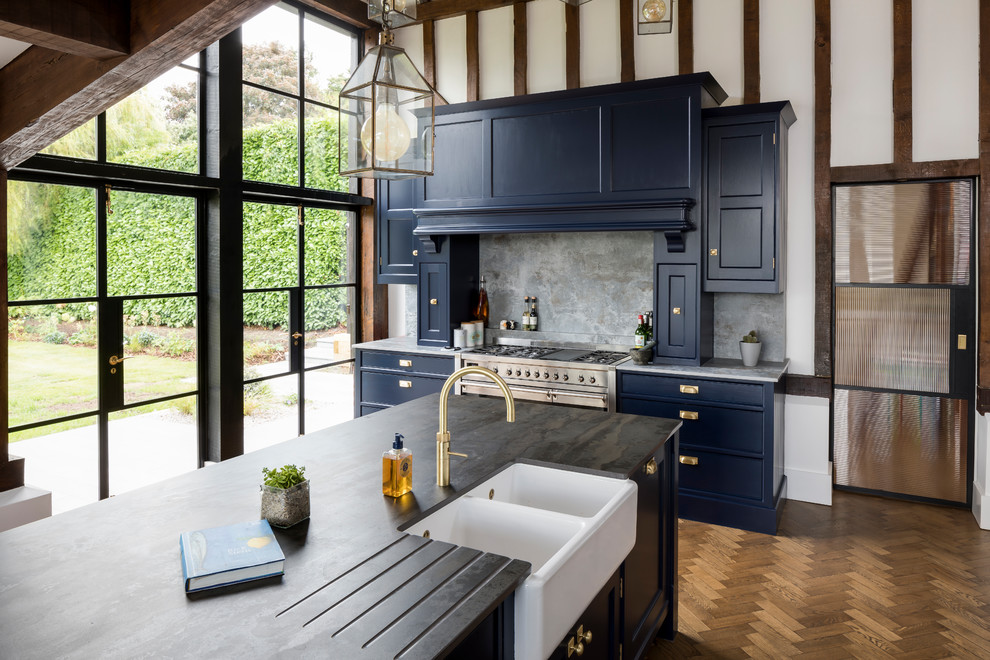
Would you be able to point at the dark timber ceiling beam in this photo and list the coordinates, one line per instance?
(685, 36)
(627, 49)
(439, 9)
(572, 46)
(473, 57)
(751, 51)
(45, 93)
(100, 29)
(520, 57)
(903, 149)
(823, 188)
(352, 12)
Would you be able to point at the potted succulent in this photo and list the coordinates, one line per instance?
(284, 495)
(750, 347)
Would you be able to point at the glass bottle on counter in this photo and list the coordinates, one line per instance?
(525, 316)
(533, 319)
(642, 333)
(481, 309)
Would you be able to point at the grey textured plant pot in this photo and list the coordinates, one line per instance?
(750, 352)
(284, 507)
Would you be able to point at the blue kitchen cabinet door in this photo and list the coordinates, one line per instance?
(434, 304)
(676, 324)
(395, 222)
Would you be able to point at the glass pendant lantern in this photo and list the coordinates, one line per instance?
(385, 119)
(655, 16)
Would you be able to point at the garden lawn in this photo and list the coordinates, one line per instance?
(47, 381)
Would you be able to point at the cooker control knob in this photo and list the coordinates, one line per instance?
(495, 369)
(580, 379)
(592, 380)
(556, 376)
(565, 376)
(518, 372)
(527, 373)
(546, 374)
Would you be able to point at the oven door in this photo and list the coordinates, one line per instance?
(541, 394)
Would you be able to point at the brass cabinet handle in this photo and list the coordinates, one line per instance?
(961, 342)
(574, 648)
(405, 383)
(433, 301)
(584, 635)
(651, 466)
(688, 460)
(676, 310)
(688, 414)
(689, 389)
(713, 252)
(114, 360)
(415, 253)
(405, 363)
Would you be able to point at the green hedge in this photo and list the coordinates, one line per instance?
(151, 239)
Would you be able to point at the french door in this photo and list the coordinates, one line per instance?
(103, 336)
(904, 339)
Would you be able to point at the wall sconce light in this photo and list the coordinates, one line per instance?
(385, 119)
(655, 16)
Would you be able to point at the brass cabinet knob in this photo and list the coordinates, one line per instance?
(415, 253)
(574, 648)
(584, 635)
(713, 252)
(676, 310)
(651, 466)
(688, 460)
(433, 301)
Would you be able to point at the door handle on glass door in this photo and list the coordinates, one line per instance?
(114, 360)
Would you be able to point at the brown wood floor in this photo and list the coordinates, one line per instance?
(865, 578)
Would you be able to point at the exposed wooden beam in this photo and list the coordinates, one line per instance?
(352, 12)
(520, 62)
(430, 53)
(3, 314)
(983, 231)
(802, 385)
(372, 313)
(685, 36)
(439, 9)
(903, 151)
(44, 94)
(473, 57)
(751, 51)
(572, 46)
(935, 169)
(627, 51)
(823, 189)
(99, 29)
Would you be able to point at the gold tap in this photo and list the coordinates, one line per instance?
(443, 435)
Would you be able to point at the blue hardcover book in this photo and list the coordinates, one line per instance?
(220, 556)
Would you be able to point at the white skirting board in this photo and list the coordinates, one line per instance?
(19, 506)
(814, 487)
(806, 460)
(981, 506)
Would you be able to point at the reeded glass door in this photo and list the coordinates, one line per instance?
(904, 339)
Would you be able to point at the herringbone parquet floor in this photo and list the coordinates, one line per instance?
(865, 578)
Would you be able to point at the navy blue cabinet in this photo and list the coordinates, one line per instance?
(448, 286)
(745, 199)
(731, 458)
(384, 379)
(395, 221)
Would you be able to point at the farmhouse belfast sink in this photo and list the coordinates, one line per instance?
(575, 529)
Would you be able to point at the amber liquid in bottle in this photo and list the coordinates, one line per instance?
(397, 469)
(481, 309)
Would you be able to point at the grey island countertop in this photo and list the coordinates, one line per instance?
(105, 580)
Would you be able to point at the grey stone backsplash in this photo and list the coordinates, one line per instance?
(590, 287)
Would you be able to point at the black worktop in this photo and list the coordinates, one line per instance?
(105, 580)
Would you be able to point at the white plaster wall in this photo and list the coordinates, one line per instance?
(451, 47)
(410, 39)
(718, 35)
(545, 46)
(862, 76)
(599, 42)
(495, 52)
(806, 464)
(655, 54)
(397, 311)
(945, 59)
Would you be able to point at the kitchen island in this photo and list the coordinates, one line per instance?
(105, 580)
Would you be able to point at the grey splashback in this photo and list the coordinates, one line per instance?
(589, 286)
(738, 313)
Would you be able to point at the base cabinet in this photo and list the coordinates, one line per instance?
(384, 379)
(596, 634)
(732, 450)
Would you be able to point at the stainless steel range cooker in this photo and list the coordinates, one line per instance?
(580, 377)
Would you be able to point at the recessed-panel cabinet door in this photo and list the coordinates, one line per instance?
(434, 306)
(396, 221)
(677, 311)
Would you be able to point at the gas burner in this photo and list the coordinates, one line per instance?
(601, 357)
(501, 350)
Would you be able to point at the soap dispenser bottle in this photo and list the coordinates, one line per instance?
(397, 469)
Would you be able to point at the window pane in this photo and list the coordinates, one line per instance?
(162, 358)
(329, 246)
(271, 49)
(152, 443)
(327, 339)
(322, 162)
(63, 460)
(329, 396)
(52, 363)
(151, 246)
(331, 55)
(51, 241)
(270, 246)
(271, 412)
(80, 143)
(266, 334)
(271, 137)
(158, 125)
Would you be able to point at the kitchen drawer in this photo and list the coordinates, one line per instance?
(423, 364)
(693, 389)
(715, 427)
(392, 389)
(367, 410)
(721, 474)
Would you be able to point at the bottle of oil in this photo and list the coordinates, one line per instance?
(481, 309)
(397, 469)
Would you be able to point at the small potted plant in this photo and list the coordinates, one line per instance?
(284, 496)
(750, 347)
